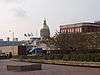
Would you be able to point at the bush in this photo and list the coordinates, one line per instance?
(94, 57)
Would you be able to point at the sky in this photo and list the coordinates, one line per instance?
(26, 16)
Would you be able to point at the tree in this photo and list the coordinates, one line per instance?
(77, 41)
(61, 41)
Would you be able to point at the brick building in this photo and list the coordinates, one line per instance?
(81, 27)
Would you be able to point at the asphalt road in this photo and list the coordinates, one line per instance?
(50, 70)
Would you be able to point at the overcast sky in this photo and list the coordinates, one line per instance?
(23, 16)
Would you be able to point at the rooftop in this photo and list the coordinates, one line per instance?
(82, 24)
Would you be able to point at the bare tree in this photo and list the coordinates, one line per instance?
(77, 41)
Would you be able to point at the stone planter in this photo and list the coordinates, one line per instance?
(24, 67)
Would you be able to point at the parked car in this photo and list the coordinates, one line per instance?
(3, 56)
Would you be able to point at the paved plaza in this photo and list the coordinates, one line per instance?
(50, 70)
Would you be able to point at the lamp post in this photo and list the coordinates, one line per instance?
(12, 32)
(13, 41)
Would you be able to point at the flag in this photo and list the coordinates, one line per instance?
(9, 30)
(25, 35)
(29, 35)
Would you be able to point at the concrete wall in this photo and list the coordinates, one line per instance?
(7, 49)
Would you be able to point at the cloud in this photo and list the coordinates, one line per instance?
(16, 7)
(19, 12)
(11, 1)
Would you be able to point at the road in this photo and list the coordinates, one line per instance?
(50, 70)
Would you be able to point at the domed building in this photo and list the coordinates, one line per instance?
(45, 32)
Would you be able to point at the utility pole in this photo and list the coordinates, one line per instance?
(13, 36)
(13, 40)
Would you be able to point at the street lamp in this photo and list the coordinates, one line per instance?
(12, 32)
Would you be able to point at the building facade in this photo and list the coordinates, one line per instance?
(80, 27)
(45, 31)
(15, 50)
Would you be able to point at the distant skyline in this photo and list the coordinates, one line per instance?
(24, 16)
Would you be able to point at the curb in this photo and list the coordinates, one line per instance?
(64, 63)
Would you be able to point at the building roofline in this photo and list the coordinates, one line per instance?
(81, 24)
